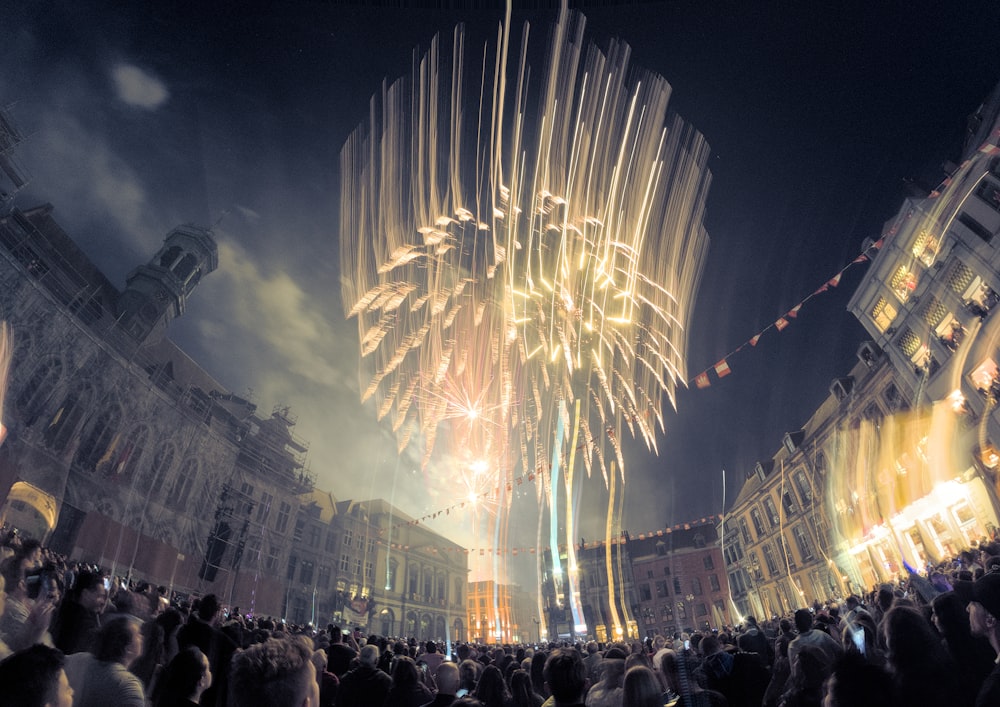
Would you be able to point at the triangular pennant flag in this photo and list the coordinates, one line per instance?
(835, 280)
(701, 380)
(722, 369)
(794, 311)
(860, 259)
(781, 323)
(823, 288)
(754, 339)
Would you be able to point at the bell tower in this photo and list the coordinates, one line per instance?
(155, 293)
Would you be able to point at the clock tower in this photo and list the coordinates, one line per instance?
(155, 293)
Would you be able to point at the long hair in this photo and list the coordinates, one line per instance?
(521, 690)
(641, 688)
(492, 690)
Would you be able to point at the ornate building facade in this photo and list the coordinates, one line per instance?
(122, 450)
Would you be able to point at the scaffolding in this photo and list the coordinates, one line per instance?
(10, 138)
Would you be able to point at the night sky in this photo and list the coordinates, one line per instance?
(142, 117)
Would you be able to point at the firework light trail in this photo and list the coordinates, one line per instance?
(522, 265)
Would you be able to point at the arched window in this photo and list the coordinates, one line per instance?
(411, 623)
(413, 581)
(458, 631)
(387, 619)
(124, 460)
(100, 442)
(439, 629)
(170, 256)
(163, 459)
(425, 627)
(185, 267)
(181, 489)
(428, 585)
(37, 391)
(66, 419)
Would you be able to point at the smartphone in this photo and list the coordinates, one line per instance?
(858, 636)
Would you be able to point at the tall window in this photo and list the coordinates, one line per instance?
(803, 543)
(770, 561)
(390, 577)
(348, 537)
(281, 522)
(306, 573)
(39, 389)
(345, 562)
(98, 441)
(696, 586)
(264, 509)
(758, 522)
(323, 581)
(181, 489)
(160, 468)
(126, 462)
(64, 422)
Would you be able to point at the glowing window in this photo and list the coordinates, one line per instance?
(883, 313)
(925, 248)
(903, 282)
(960, 277)
(933, 312)
(908, 343)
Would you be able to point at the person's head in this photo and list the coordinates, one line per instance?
(983, 599)
(276, 673)
(855, 682)
(208, 608)
(118, 641)
(785, 626)
(491, 688)
(678, 670)
(369, 655)
(803, 620)
(641, 688)
(564, 675)
(446, 678)
(404, 672)
(12, 574)
(430, 647)
(709, 645)
(913, 646)
(91, 591)
(468, 674)
(185, 677)
(35, 677)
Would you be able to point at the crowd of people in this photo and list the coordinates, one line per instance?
(72, 637)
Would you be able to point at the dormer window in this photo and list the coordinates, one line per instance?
(841, 388)
(869, 353)
(792, 440)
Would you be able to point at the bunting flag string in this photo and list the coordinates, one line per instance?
(485, 551)
(722, 367)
